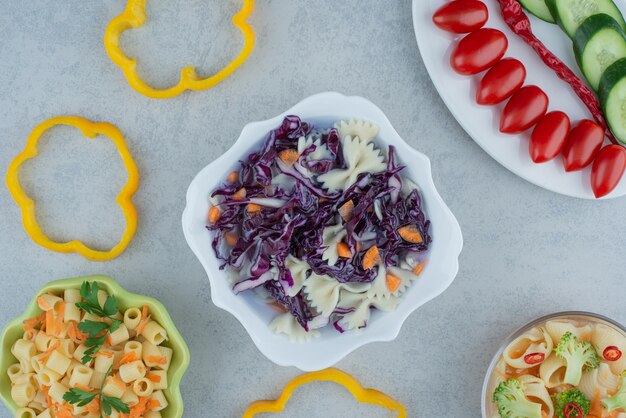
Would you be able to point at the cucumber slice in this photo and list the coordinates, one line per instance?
(570, 14)
(612, 94)
(598, 43)
(539, 9)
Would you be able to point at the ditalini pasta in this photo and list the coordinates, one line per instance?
(321, 224)
(84, 357)
(570, 367)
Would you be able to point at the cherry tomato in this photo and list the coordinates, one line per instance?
(549, 136)
(461, 16)
(582, 145)
(501, 81)
(606, 173)
(478, 51)
(523, 110)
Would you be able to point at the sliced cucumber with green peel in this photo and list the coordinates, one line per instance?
(613, 98)
(598, 43)
(570, 14)
(538, 8)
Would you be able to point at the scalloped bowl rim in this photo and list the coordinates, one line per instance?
(328, 349)
(176, 404)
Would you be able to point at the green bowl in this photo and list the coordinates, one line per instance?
(180, 359)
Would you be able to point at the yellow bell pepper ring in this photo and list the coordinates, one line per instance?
(363, 395)
(134, 16)
(27, 205)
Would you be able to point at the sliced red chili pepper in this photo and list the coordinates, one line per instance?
(572, 410)
(461, 16)
(500, 82)
(612, 353)
(517, 20)
(478, 51)
(534, 358)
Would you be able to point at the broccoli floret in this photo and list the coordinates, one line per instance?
(571, 396)
(619, 399)
(512, 403)
(578, 355)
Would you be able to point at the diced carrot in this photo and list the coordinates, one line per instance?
(371, 258)
(253, 209)
(214, 214)
(233, 177)
(343, 250)
(411, 234)
(239, 194)
(420, 266)
(93, 407)
(43, 303)
(289, 156)
(346, 210)
(145, 318)
(231, 238)
(154, 378)
(157, 359)
(128, 358)
(138, 410)
(393, 282)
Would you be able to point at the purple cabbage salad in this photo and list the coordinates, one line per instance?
(321, 224)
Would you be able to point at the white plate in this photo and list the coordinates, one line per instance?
(481, 122)
(254, 315)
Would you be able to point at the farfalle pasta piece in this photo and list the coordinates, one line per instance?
(331, 237)
(536, 392)
(360, 305)
(529, 349)
(299, 270)
(391, 281)
(360, 157)
(323, 292)
(364, 130)
(286, 324)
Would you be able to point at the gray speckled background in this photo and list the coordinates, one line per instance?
(528, 252)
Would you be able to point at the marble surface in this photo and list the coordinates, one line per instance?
(528, 252)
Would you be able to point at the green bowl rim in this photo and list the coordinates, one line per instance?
(114, 288)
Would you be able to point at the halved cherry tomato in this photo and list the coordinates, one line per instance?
(534, 358)
(478, 51)
(461, 16)
(501, 81)
(549, 136)
(612, 353)
(583, 143)
(523, 110)
(606, 173)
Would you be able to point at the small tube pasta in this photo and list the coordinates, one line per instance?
(56, 392)
(132, 371)
(104, 360)
(143, 387)
(27, 378)
(158, 379)
(132, 318)
(40, 397)
(43, 341)
(25, 413)
(150, 353)
(604, 337)
(80, 352)
(71, 296)
(24, 350)
(58, 363)
(97, 379)
(72, 366)
(134, 346)
(152, 414)
(552, 371)
(119, 336)
(166, 353)
(45, 414)
(30, 335)
(66, 347)
(81, 376)
(14, 371)
(102, 297)
(23, 393)
(113, 386)
(159, 397)
(71, 313)
(47, 302)
(130, 398)
(534, 341)
(154, 333)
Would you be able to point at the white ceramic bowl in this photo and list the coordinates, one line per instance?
(331, 346)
